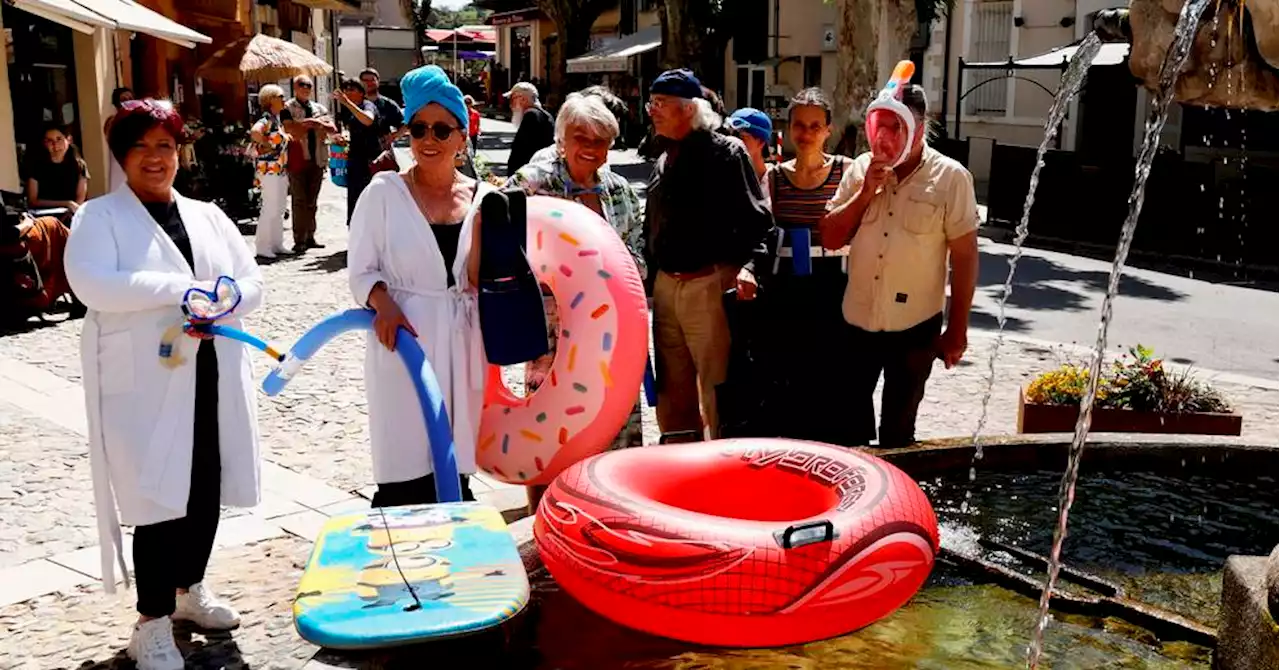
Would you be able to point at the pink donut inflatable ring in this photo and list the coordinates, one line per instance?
(738, 543)
(600, 353)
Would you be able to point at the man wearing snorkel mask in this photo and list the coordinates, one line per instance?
(908, 214)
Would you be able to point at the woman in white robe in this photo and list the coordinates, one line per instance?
(413, 257)
(167, 446)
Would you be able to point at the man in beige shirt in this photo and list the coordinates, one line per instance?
(902, 224)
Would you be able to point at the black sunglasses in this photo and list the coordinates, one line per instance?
(303, 84)
(442, 131)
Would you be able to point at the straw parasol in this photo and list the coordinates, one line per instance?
(261, 58)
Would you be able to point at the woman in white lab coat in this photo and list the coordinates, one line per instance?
(414, 257)
(167, 446)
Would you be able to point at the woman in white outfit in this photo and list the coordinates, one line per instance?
(272, 144)
(414, 258)
(167, 446)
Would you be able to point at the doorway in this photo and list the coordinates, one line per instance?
(42, 80)
(750, 86)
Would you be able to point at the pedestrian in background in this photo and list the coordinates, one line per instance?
(535, 128)
(167, 446)
(360, 118)
(309, 124)
(755, 129)
(272, 144)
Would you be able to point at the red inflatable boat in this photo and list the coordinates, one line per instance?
(741, 543)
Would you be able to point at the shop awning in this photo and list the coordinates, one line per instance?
(89, 15)
(1111, 53)
(67, 13)
(615, 57)
(129, 15)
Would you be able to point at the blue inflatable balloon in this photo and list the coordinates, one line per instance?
(439, 433)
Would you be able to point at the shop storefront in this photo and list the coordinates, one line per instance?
(42, 74)
(520, 54)
(63, 59)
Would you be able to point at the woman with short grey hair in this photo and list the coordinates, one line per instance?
(585, 130)
(272, 144)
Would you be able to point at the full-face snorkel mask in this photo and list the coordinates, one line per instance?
(890, 125)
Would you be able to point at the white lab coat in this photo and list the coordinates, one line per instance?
(132, 277)
(391, 242)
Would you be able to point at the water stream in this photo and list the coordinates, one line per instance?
(1072, 79)
(1183, 37)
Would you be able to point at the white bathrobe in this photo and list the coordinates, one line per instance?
(392, 242)
(132, 277)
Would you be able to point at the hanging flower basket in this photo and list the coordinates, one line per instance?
(1136, 395)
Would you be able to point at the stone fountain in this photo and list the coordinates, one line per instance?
(1233, 64)
(1234, 59)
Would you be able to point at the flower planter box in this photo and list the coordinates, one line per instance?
(1062, 419)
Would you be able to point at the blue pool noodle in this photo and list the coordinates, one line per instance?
(443, 460)
(239, 335)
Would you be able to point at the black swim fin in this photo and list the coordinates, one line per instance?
(512, 319)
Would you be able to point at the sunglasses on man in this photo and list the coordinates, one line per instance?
(441, 131)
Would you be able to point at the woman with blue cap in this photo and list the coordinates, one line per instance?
(755, 129)
(414, 259)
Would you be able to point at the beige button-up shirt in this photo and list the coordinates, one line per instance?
(898, 256)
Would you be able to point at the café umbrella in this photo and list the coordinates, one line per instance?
(262, 58)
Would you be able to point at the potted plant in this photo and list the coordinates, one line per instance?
(1135, 395)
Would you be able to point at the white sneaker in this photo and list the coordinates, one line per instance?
(205, 610)
(152, 646)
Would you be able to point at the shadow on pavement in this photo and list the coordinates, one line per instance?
(1038, 284)
(334, 262)
(216, 651)
(984, 320)
(507, 646)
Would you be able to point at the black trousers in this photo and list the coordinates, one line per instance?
(790, 362)
(906, 359)
(420, 491)
(358, 178)
(173, 554)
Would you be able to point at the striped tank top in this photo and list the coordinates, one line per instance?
(803, 208)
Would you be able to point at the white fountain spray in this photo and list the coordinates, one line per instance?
(1183, 36)
(1072, 79)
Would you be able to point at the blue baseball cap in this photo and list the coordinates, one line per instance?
(679, 83)
(753, 122)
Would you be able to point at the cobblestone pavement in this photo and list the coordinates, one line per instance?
(46, 494)
(85, 628)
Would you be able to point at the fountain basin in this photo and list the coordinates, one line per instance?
(960, 620)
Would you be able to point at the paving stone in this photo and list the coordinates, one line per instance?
(46, 490)
(88, 560)
(84, 628)
(306, 524)
(35, 578)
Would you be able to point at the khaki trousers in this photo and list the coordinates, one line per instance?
(691, 340)
(304, 186)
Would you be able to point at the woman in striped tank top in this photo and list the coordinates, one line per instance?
(807, 350)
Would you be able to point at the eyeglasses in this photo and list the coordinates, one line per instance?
(442, 131)
(303, 84)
